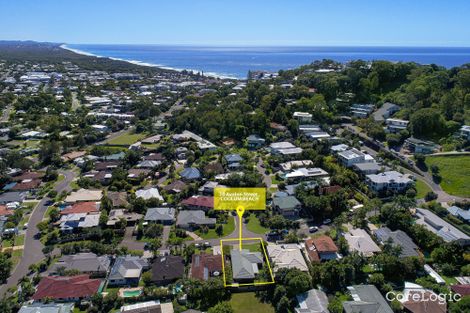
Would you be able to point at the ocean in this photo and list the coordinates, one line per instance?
(235, 62)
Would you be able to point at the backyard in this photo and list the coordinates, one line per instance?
(255, 226)
(211, 234)
(455, 173)
(126, 139)
(247, 302)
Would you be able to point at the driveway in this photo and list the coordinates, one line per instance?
(32, 252)
(266, 178)
(130, 242)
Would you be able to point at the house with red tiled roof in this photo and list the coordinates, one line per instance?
(463, 290)
(321, 248)
(67, 288)
(198, 203)
(81, 207)
(204, 266)
(4, 211)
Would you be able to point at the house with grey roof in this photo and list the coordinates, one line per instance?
(398, 238)
(288, 206)
(47, 308)
(12, 196)
(366, 299)
(367, 168)
(190, 173)
(233, 161)
(148, 194)
(255, 142)
(245, 264)
(127, 270)
(385, 111)
(360, 241)
(85, 263)
(194, 219)
(389, 181)
(312, 301)
(440, 227)
(160, 215)
(461, 214)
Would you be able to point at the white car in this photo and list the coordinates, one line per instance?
(25, 226)
(312, 229)
(327, 221)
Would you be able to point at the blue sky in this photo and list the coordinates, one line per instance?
(241, 22)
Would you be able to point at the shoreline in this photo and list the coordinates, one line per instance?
(140, 63)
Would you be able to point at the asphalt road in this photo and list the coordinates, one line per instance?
(32, 252)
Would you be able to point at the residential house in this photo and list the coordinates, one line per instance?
(83, 195)
(417, 299)
(284, 148)
(353, 156)
(255, 142)
(116, 215)
(360, 241)
(312, 301)
(385, 111)
(163, 215)
(204, 203)
(366, 298)
(398, 238)
(361, 110)
(288, 206)
(136, 174)
(148, 307)
(394, 125)
(118, 199)
(304, 173)
(82, 207)
(12, 197)
(321, 248)
(167, 269)
(339, 148)
(127, 270)
(190, 174)
(291, 165)
(209, 186)
(303, 117)
(205, 266)
(47, 308)
(194, 219)
(245, 264)
(175, 187)
(66, 288)
(389, 181)
(149, 164)
(367, 168)
(463, 215)
(415, 145)
(233, 161)
(465, 132)
(440, 227)
(287, 256)
(75, 221)
(150, 193)
(85, 263)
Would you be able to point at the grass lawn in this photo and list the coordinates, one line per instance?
(247, 303)
(255, 226)
(455, 173)
(275, 181)
(16, 257)
(126, 139)
(211, 234)
(421, 189)
(19, 240)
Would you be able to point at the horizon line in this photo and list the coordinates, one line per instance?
(253, 45)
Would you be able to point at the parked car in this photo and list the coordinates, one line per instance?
(327, 221)
(313, 229)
